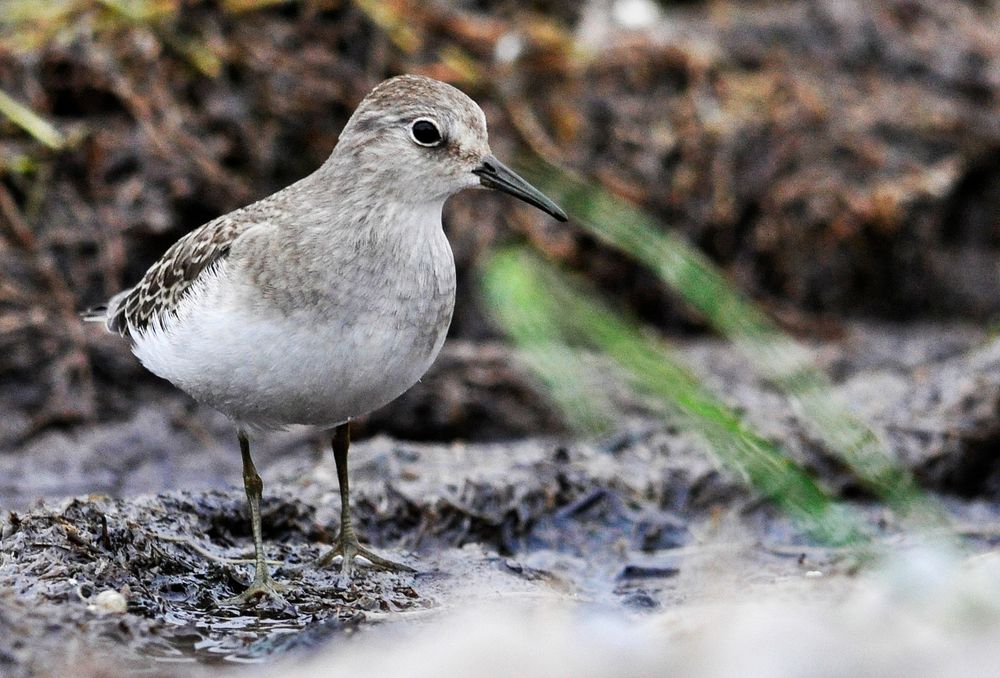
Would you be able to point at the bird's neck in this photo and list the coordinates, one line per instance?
(348, 240)
(364, 208)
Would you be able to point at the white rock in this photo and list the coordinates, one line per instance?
(109, 602)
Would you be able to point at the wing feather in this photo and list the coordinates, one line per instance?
(171, 277)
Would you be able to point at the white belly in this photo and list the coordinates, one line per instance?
(268, 369)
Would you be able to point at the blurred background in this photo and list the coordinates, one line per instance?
(835, 160)
(784, 238)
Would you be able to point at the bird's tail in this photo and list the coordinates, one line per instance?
(105, 312)
(95, 314)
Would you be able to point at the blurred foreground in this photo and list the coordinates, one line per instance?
(925, 615)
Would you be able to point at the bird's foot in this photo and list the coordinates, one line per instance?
(262, 586)
(348, 549)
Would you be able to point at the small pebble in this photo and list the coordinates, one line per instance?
(813, 574)
(109, 602)
(508, 48)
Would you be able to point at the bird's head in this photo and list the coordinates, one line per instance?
(424, 140)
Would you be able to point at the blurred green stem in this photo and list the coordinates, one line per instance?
(776, 356)
(541, 307)
(31, 122)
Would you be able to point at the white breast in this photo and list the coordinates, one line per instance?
(268, 367)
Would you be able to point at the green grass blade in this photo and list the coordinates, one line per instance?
(537, 305)
(776, 356)
(569, 381)
(31, 122)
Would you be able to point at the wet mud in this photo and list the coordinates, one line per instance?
(833, 157)
(622, 523)
(471, 519)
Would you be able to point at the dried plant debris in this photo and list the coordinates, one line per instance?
(931, 392)
(148, 576)
(833, 156)
(144, 577)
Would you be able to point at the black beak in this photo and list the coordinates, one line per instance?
(494, 174)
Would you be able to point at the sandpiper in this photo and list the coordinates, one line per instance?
(329, 298)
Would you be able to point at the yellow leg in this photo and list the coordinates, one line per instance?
(347, 542)
(262, 584)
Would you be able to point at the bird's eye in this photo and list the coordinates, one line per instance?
(425, 132)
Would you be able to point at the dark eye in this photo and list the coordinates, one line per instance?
(425, 132)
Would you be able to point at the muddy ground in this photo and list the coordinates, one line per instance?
(611, 524)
